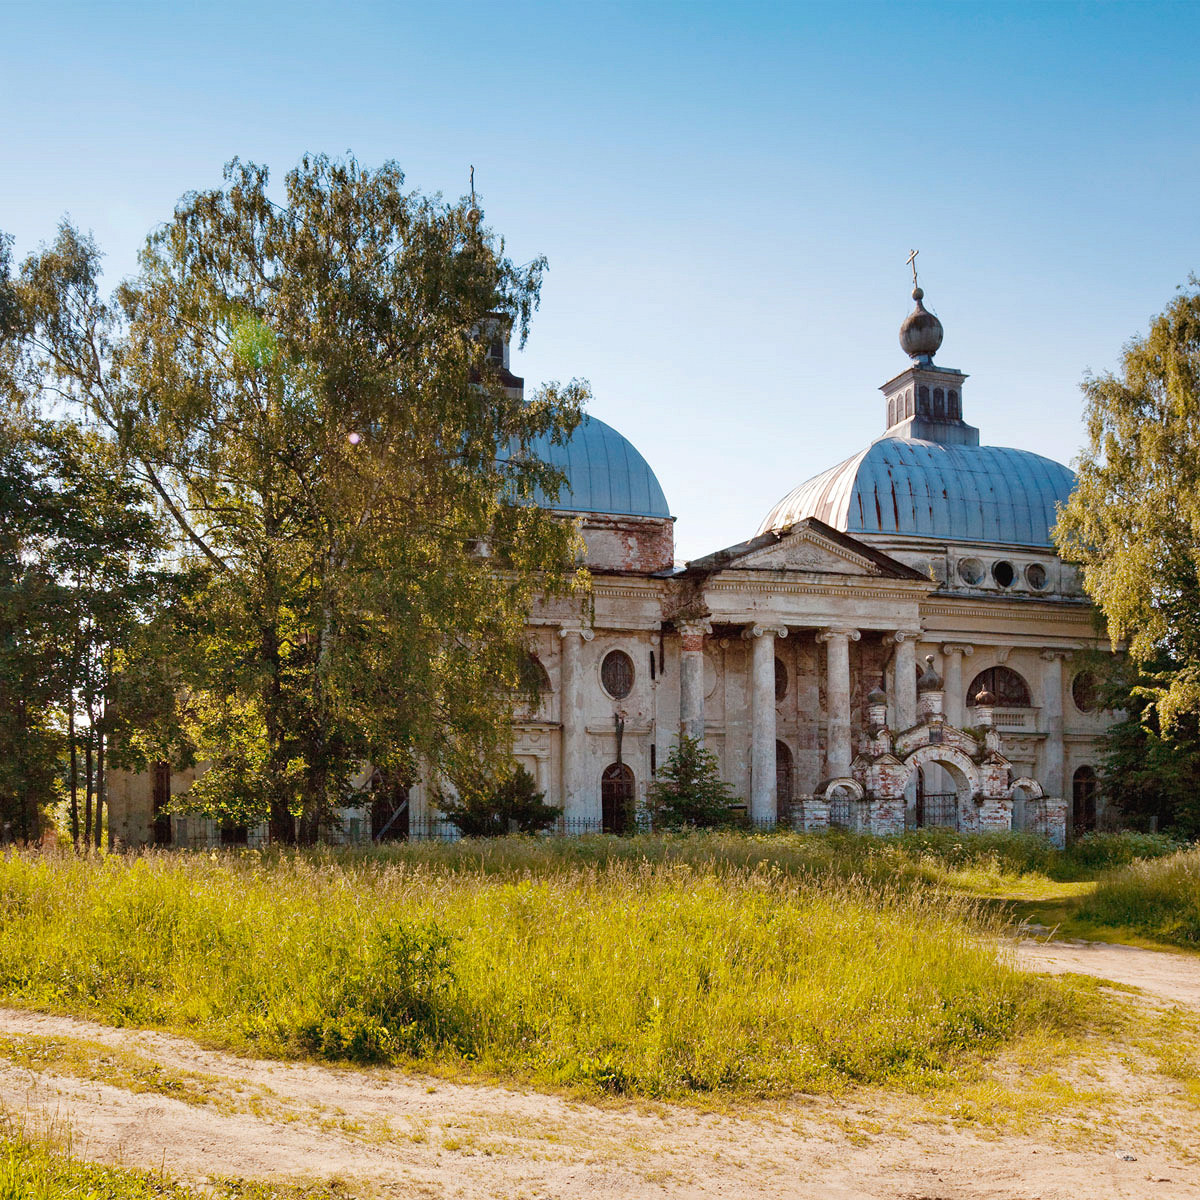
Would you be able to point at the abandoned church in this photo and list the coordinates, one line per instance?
(897, 644)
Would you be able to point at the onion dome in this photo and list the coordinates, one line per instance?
(921, 333)
(877, 696)
(930, 680)
(984, 699)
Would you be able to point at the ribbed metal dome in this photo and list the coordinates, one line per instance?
(927, 489)
(605, 474)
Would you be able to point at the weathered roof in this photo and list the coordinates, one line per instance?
(927, 489)
(605, 474)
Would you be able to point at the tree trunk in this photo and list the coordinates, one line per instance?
(74, 770)
(87, 804)
(100, 789)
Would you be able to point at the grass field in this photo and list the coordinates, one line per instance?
(704, 964)
(1159, 898)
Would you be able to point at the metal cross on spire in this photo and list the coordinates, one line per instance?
(912, 262)
(473, 213)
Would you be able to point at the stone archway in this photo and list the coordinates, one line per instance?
(949, 809)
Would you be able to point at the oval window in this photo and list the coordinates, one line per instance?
(1083, 692)
(1003, 573)
(1035, 576)
(616, 674)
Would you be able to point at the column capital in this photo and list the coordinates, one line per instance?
(694, 627)
(1051, 655)
(567, 630)
(825, 635)
(757, 631)
(957, 648)
(907, 635)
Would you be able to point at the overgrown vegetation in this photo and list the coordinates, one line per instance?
(687, 791)
(491, 807)
(659, 967)
(38, 1166)
(1159, 898)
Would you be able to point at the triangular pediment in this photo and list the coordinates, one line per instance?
(803, 550)
(810, 546)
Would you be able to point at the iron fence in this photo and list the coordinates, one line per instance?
(936, 810)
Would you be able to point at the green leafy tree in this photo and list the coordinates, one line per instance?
(688, 791)
(1133, 521)
(305, 386)
(489, 807)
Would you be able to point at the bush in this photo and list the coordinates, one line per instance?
(491, 808)
(688, 791)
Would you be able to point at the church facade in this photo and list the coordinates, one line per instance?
(897, 644)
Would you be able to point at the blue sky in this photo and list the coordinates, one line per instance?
(727, 193)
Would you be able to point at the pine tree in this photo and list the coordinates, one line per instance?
(688, 790)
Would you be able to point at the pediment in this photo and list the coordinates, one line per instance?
(804, 550)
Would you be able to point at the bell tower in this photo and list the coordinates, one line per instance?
(925, 401)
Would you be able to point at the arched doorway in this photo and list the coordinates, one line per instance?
(1084, 786)
(616, 798)
(784, 786)
(389, 814)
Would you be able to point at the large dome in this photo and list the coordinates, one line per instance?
(918, 488)
(605, 474)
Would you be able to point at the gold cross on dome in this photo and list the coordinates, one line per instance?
(912, 262)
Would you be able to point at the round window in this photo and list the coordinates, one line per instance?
(1083, 692)
(781, 679)
(970, 570)
(1035, 576)
(616, 674)
(1003, 573)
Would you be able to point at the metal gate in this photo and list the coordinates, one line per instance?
(937, 810)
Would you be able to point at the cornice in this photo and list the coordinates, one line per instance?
(878, 589)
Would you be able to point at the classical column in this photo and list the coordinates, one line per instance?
(1052, 780)
(905, 669)
(577, 800)
(837, 699)
(954, 653)
(762, 730)
(691, 677)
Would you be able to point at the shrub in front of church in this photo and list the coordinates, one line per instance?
(490, 807)
(688, 792)
(651, 978)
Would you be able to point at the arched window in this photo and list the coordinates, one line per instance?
(781, 679)
(616, 674)
(1084, 786)
(923, 398)
(1083, 692)
(1010, 690)
(952, 409)
(783, 783)
(939, 402)
(616, 798)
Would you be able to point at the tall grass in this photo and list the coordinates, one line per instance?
(694, 967)
(1159, 898)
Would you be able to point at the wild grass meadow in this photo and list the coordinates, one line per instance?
(655, 966)
(1159, 898)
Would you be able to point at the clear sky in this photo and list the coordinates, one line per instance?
(727, 193)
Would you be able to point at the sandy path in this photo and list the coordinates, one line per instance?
(1174, 977)
(383, 1132)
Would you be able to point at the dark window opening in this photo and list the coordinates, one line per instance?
(1084, 786)
(496, 350)
(781, 679)
(923, 398)
(616, 674)
(651, 666)
(1010, 690)
(653, 759)
(616, 799)
(1004, 573)
(952, 407)
(1035, 574)
(939, 402)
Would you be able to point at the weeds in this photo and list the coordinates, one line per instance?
(1158, 898)
(750, 966)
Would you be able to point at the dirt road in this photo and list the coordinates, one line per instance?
(396, 1135)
